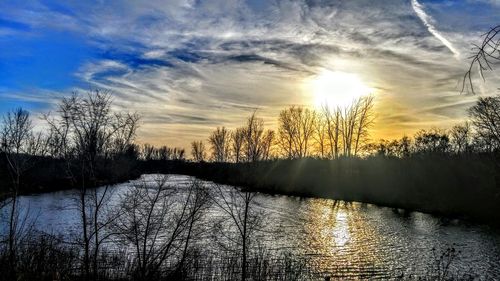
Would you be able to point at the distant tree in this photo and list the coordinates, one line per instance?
(461, 138)
(486, 55)
(295, 131)
(321, 135)
(404, 147)
(401, 148)
(254, 131)
(178, 154)
(432, 141)
(332, 119)
(220, 144)
(198, 151)
(355, 120)
(267, 143)
(364, 122)
(238, 141)
(387, 148)
(485, 117)
(149, 152)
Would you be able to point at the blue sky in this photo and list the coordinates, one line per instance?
(189, 65)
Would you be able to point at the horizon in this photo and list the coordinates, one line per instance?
(187, 67)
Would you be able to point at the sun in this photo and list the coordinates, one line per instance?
(337, 89)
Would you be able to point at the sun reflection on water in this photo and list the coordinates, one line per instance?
(340, 230)
(340, 240)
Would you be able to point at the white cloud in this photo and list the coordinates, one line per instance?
(427, 21)
(223, 58)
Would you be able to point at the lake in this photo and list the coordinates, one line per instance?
(341, 239)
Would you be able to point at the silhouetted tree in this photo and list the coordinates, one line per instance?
(149, 152)
(320, 135)
(432, 141)
(238, 141)
(387, 148)
(364, 122)
(332, 122)
(198, 151)
(89, 134)
(404, 147)
(295, 131)
(461, 138)
(220, 143)
(267, 144)
(355, 120)
(485, 117)
(18, 145)
(239, 208)
(253, 144)
(197, 202)
(158, 220)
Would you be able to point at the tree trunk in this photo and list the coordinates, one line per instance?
(244, 258)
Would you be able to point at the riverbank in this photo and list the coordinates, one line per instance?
(454, 186)
(463, 187)
(46, 174)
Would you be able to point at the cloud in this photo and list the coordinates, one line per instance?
(188, 66)
(427, 21)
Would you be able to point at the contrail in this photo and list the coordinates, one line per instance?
(426, 19)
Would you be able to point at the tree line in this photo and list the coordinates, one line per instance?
(332, 133)
(329, 133)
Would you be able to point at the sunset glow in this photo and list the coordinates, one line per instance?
(337, 89)
(179, 64)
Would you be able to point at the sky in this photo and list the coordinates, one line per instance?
(188, 66)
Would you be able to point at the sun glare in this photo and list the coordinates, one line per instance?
(337, 88)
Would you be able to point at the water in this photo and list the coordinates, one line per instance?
(344, 240)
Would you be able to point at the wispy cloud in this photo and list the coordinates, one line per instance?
(180, 63)
(427, 21)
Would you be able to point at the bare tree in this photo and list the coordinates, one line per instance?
(220, 143)
(197, 201)
(364, 122)
(432, 141)
(267, 144)
(149, 152)
(396, 148)
(355, 120)
(238, 141)
(461, 138)
(485, 117)
(332, 120)
(125, 128)
(321, 135)
(254, 131)
(239, 208)
(404, 147)
(348, 119)
(198, 151)
(158, 222)
(89, 133)
(296, 129)
(18, 146)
